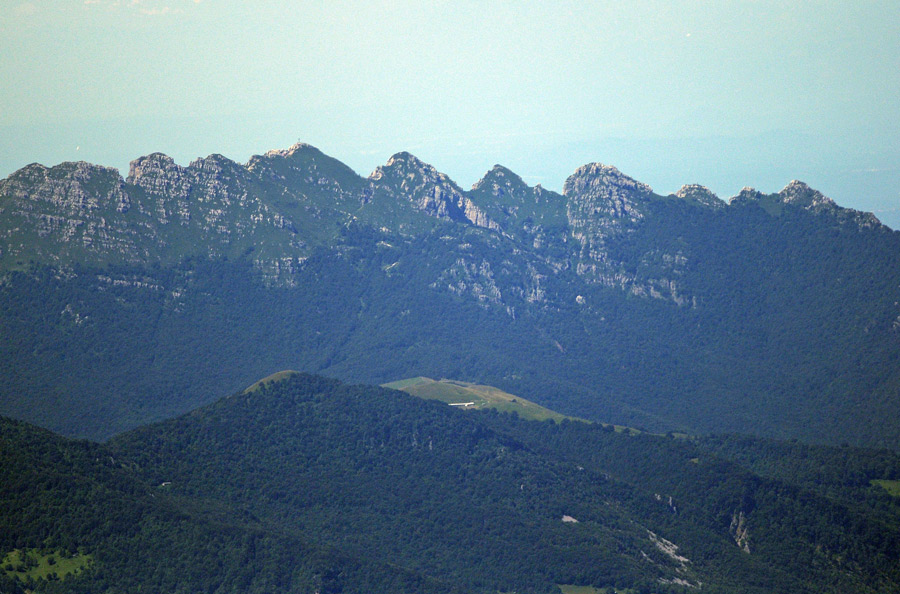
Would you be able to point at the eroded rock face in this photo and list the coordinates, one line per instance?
(739, 530)
(71, 187)
(406, 177)
(158, 175)
(213, 194)
(602, 204)
(799, 194)
(602, 190)
(167, 184)
(476, 279)
(700, 195)
(69, 207)
(282, 203)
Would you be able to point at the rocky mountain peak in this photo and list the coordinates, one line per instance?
(405, 166)
(699, 194)
(150, 165)
(602, 203)
(430, 191)
(295, 148)
(159, 175)
(30, 171)
(797, 193)
(214, 164)
(800, 194)
(406, 158)
(303, 169)
(747, 194)
(500, 181)
(71, 186)
(218, 179)
(408, 174)
(597, 178)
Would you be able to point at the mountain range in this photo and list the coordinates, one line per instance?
(648, 394)
(125, 301)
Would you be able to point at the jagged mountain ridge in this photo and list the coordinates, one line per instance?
(282, 204)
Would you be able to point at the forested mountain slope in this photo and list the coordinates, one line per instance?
(77, 519)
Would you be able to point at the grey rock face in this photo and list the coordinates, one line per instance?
(166, 183)
(700, 195)
(49, 214)
(602, 204)
(605, 191)
(71, 187)
(428, 190)
(500, 182)
(282, 203)
(799, 194)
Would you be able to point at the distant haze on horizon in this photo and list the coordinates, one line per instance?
(725, 94)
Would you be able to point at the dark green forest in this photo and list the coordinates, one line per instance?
(63, 497)
(308, 484)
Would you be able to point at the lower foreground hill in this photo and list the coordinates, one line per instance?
(76, 519)
(304, 484)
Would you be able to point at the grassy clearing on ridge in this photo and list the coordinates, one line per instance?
(38, 564)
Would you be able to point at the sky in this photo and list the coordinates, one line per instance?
(726, 94)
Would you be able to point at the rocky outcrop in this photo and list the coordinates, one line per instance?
(699, 195)
(281, 203)
(532, 215)
(72, 188)
(684, 574)
(213, 194)
(476, 279)
(605, 192)
(739, 530)
(503, 185)
(72, 207)
(602, 204)
(304, 172)
(747, 195)
(429, 191)
(220, 180)
(166, 184)
(798, 194)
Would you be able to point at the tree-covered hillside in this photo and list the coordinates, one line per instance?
(63, 500)
(304, 484)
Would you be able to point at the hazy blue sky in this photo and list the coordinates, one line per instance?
(726, 94)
